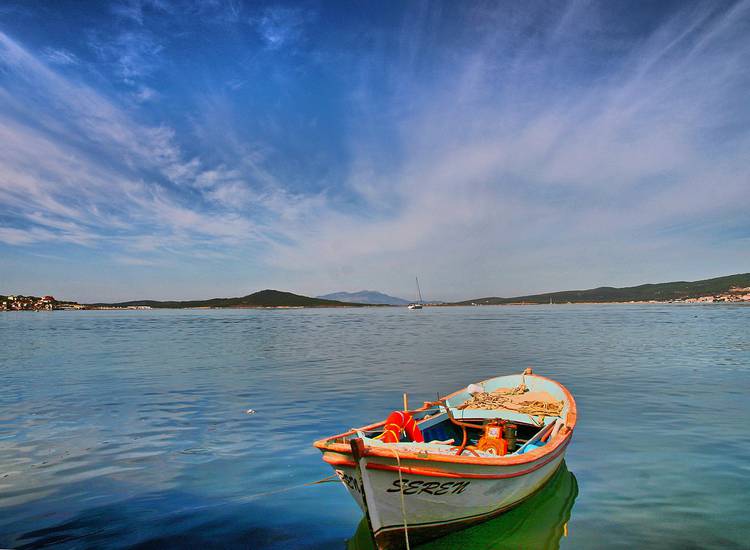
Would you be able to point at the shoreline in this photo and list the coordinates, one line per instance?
(514, 304)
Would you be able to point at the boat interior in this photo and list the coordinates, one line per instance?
(449, 428)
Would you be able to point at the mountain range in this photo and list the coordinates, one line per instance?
(263, 298)
(678, 290)
(365, 297)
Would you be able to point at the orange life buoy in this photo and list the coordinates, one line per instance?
(397, 422)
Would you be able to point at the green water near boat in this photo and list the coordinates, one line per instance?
(129, 429)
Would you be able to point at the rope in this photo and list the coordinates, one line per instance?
(329, 479)
(403, 504)
(395, 429)
(513, 400)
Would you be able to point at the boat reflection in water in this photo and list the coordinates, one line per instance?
(540, 522)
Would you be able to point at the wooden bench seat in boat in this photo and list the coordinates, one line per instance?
(430, 447)
(512, 416)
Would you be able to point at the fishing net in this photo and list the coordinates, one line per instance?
(518, 399)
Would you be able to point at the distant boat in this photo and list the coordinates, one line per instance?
(418, 303)
(455, 462)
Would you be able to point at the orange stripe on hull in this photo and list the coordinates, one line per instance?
(560, 440)
(432, 472)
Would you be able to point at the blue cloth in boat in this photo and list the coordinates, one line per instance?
(532, 446)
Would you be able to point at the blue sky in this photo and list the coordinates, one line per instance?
(182, 149)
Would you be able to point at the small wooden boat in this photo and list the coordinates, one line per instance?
(455, 462)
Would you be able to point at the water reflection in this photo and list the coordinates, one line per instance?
(540, 522)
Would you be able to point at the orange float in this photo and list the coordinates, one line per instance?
(398, 422)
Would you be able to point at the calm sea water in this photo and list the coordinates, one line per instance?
(125, 429)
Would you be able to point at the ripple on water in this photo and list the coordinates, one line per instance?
(129, 428)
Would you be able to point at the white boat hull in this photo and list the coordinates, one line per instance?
(434, 505)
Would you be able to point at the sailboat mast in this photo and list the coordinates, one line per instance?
(419, 292)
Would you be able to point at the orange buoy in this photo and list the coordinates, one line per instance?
(398, 422)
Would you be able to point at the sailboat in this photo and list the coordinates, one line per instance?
(418, 303)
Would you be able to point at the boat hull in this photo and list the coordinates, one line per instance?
(433, 504)
(538, 522)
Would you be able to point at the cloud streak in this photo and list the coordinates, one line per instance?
(497, 174)
(85, 172)
(495, 150)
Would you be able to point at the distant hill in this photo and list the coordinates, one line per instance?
(264, 298)
(679, 290)
(366, 297)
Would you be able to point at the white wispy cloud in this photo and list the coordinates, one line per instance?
(144, 94)
(73, 166)
(133, 53)
(504, 161)
(281, 26)
(60, 56)
(133, 9)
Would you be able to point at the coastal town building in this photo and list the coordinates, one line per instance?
(734, 294)
(34, 303)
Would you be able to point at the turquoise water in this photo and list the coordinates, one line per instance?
(127, 429)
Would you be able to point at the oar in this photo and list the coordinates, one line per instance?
(536, 438)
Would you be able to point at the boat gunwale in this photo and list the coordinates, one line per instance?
(562, 438)
(430, 472)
